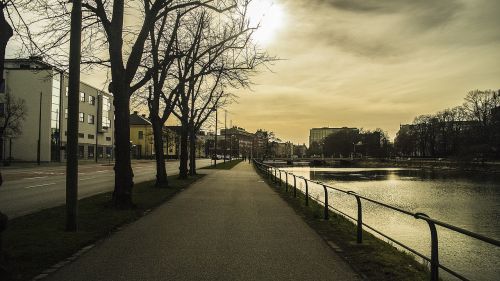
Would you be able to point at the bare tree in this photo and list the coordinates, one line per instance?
(218, 55)
(108, 41)
(12, 115)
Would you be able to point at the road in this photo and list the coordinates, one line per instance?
(27, 190)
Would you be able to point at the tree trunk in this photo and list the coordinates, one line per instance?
(161, 170)
(122, 195)
(6, 33)
(183, 165)
(192, 149)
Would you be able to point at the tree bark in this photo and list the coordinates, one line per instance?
(161, 170)
(6, 33)
(183, 165)
(192, 149)
(73, 109)
(122, 195)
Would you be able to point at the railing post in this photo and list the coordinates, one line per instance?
(294, 186)
(286, 182)
(307, 192)
(327, 213)
(280, 177)
(275, 175)
(434, 247)
(360, 218)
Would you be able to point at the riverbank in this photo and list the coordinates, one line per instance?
(434, 164)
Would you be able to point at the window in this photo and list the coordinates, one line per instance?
(91, 100)
(81, 136)
(81, 151)
(90, 136)
(2, 109)
(2, 86)
(90, 119)
(82, 96)
(141, 135)
(90, 151)
(65, 113)
(82, 117)
(108, 138)
(67, 90)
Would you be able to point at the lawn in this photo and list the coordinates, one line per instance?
(37, 241)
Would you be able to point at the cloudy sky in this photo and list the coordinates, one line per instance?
(369, 63)
(365, 63)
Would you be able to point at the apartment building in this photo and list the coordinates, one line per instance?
(43, 87)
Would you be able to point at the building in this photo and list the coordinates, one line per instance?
(281, 149)
(141, 136)
(317, 135)
(238, 141)
(300, 150)
(172, 141)
(44, 88)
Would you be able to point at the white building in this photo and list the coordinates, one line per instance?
(44, 89)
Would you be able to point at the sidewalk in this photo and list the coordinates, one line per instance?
(228, 226)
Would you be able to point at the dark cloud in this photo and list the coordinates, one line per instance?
(426, 13)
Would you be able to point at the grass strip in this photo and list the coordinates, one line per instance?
(228, 165)
(374, 258)
(37, 241)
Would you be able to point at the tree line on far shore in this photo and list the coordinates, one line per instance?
(469, 131)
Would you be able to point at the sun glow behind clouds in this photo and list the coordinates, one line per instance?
(270, 16)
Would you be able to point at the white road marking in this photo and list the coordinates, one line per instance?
(38, 185)
(35, 178)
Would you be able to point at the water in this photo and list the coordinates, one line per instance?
(469, 201)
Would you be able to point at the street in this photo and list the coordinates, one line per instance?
(27, 190)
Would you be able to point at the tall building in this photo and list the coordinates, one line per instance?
(317, 135)
(44, 89)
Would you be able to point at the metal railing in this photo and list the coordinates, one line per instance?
(272, 174)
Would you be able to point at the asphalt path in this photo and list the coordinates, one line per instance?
(27, 190)
(227, 226)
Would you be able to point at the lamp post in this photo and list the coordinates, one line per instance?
(215, 158)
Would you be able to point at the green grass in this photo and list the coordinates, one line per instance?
(221, 165)
(374, 258)
(37, 241)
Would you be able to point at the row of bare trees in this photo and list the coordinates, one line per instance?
(181, 57)
(467, 131)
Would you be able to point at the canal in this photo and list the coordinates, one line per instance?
(467, 200)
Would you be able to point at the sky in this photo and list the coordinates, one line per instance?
(363, 63)
(368, 63)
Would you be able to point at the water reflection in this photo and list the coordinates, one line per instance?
(468, 200)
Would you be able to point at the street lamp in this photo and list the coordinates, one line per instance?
(215, 158)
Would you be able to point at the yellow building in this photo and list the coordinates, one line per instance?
(142, 139)
(141, 136)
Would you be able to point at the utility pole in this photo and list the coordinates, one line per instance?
(225, 135)
(73, 109)
(215, 160)
(96, 122)
(38, 152)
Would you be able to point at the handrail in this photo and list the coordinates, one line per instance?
(433, 260)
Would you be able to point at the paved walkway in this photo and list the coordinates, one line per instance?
(228, 226)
